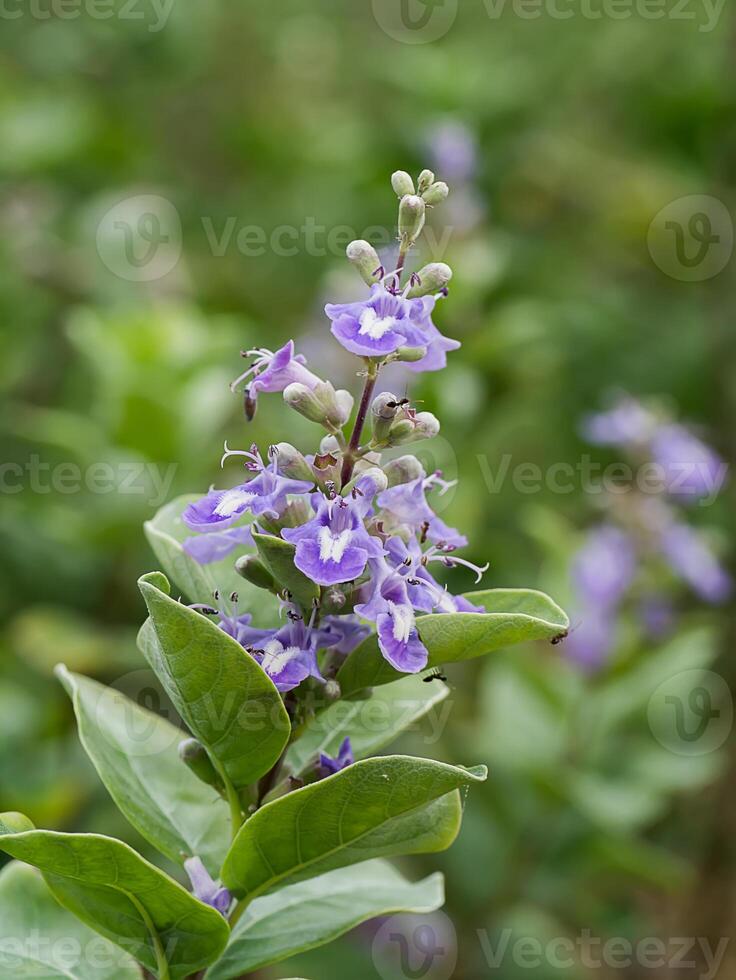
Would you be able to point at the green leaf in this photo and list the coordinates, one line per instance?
(229, 703)
(375, 808)
(278, 557)
(39, 940)
(136, 755)
(514, 616)
(315, 912)
(166, 534)
(123, 897)
(371, 724)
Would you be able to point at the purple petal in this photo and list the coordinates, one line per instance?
(330, 570)
(208, 548)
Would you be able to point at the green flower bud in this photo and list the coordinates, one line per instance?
(291, 462)
(426, 179)
(437, 193)
(427, 426)
(400, 432)
(412, 429)
(402, 183)
(332, 691)
(365, 259)
(383, 411)
(252, 569)
(194, 755)
(432, 278)
(320, 404)
(409, 354)
(412, 215)
(404, 469)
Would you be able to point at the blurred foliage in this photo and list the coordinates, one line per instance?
(257, 115)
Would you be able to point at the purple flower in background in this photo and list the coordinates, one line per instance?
(205, 888)
(208, 548)
(454, 150)
(343, 759)
(657, 615)
(343, 634)
(627, 423)
(334, 546)
(389, 606)
(590, 644)
(240, 629)
(692, 470)
(690, 557)
(273, 372)
(265, 494)
(604, 567)
(385, 322)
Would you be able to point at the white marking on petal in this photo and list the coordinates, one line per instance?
(374, 326)
(332, 546)
(403, 620)
(233, 501)
(276, 658)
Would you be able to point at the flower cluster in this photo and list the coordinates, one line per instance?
(360, 527)
(646, 544)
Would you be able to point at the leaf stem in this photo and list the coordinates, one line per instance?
(162, 964)
(236, 810)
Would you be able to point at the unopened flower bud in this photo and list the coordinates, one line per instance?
(426, 179)
(421, 426)
(410, 355)
(400, 432)
(402, 183)
(320, 404)
(252, 569)
(332, 691)
(437, 193)
(427, 426)
(412, 215)
(365, 259)
(194, 755)
(291, 463)
(405, 469)
(333, 600)
(383, 410)
(432, 278)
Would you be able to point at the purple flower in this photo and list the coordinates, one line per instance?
(657, 615)
(627, 423)
(343, 759)
(205, 888)
(690, 557)
(383, 323)
(390, 608)
(208, 548)
(691, 469)
(425, 593)
(265, 494)
(334, 546)
(604, 567)
(343, 634)
(454, 150)
(274, 372)
(407, 505)
(290, 655)
(240, 629)
(591, 642)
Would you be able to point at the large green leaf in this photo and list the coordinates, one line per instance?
(39, 940)
(135, 753)
(370, 724)
(278, 556)
(120, 895)
(375, 808)
(514, 616)
(223, 695)
(315, 912)
(166, 533)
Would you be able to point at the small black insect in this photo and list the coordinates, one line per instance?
(560, 639)
(436, 675)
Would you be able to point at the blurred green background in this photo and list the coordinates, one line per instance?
(241, 147)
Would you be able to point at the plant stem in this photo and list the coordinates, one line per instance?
(236, 810)
(365, 401)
